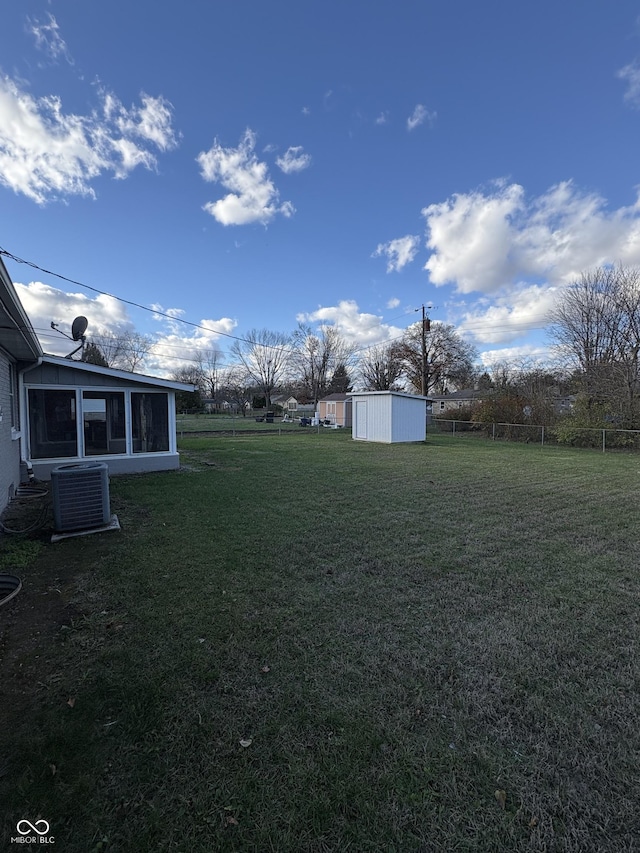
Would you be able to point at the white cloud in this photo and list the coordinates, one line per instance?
(151, 122)
(357, 327)
(512, 314)
(253, 197)
(484, 242)
(398, 252)
(44, 304)
(419, 116)
(179, 347)
(48, 39)
(294, 160)
(175, 345)
(46, 154)
(393, 303)
(383, 118)
(631, 75)
(516, 355)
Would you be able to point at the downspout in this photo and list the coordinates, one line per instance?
(24, 409)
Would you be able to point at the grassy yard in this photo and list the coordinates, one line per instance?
(187, 424)
(309, 644)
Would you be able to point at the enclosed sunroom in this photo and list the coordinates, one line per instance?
(80, 412)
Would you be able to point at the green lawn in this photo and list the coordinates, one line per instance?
(187, 424)
(314, 644)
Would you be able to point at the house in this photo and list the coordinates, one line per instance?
(288, 404)
(336, 408)
(55, 411)
(441, 404)
(19, 348)
(389, 416)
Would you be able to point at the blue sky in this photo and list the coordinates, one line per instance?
(253, 164)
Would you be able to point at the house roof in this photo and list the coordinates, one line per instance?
(388, 393)
(117, 374)
(17, 336)
(464, 394)
(334, 397)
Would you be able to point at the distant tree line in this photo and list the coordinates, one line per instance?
(594, 382)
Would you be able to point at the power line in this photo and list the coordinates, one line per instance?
(127, 301)
(283, 349)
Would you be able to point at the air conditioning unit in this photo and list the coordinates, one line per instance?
(80, 495)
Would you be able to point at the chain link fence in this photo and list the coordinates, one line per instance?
(238, 425)
(559, 434)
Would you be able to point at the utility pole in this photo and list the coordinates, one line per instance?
(426, 326)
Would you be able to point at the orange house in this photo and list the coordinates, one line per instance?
(336, 408)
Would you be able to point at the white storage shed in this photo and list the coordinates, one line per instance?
(389, 416)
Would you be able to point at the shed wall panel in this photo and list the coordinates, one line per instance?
(390, 417)
(409, 419)
(380, 414)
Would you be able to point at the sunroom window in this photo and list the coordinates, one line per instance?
(52, 423)
(150, 422)
(103, 422)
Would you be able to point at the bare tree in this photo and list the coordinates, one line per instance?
(126, 350)
(584, 320)
(110, 345)
(596, 325)
(381, 368)
(317, 355)
(236, 388)
(448, 358)
(208, 363)
(265, 356)
(136, 348)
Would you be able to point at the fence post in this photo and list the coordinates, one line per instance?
(604, 432)
(454, 427)
(233, 424)
(542, 445)
(494, 431)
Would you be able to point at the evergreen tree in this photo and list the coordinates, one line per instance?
(92, 354)
(340, 381)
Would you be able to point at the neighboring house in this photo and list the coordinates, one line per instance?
(289, 405)
(389, 416)
(444, 403)
(336, 408)
(19, 348)
(55, 411)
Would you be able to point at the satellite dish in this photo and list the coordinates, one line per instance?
(78, 328)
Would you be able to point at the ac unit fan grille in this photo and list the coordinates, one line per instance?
(80, 497)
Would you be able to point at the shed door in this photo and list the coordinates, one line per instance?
(361, 418)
